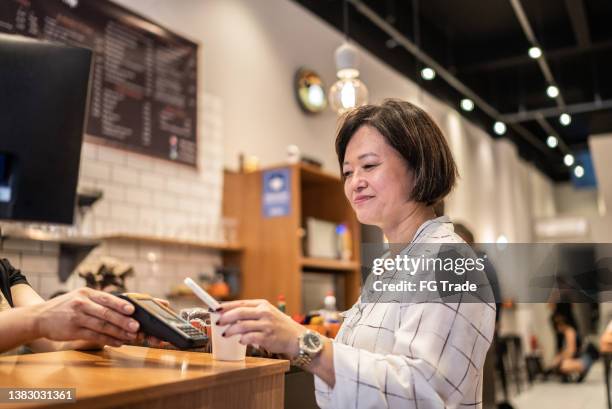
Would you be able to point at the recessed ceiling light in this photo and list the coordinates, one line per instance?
(499, 128)
(552, 141)
(565, 119)
(535, 52)
(467, 104)
(568, 159)
(552, 91)
(579, 171)
(428, 73)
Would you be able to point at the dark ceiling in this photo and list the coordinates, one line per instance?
(484, 44)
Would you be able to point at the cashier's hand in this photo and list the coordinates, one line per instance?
(261, 323)
(86, 314)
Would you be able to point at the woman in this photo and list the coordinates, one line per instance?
(396, 165)
(605, 342)
(80, 319)
(570, 361)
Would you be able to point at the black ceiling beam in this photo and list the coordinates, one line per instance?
(580, 24)
(372, 31)
(584, 107)
(519, 11)
(422, 56)
(562, 146)
(446, 75)
(516, 61)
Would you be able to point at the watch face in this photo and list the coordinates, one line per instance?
(312, 342)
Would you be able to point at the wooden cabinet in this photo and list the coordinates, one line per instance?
(272, 261)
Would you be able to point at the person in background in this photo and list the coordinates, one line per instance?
(467, 235)
(605, 342)
(80, 319)
(494, 360)
(570, 362)
(395, 165)
(566, 310)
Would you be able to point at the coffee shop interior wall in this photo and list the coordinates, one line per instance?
(249, 51)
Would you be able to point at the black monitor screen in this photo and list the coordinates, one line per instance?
(43, 98)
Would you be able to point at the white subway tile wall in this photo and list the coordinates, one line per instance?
(145, 196)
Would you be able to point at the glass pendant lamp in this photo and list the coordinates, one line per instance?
(348, 91)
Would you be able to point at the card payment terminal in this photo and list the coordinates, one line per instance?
(161, 322)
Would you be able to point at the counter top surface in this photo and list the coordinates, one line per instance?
(126, 373)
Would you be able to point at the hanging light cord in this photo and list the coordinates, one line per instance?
(416, 23)
(345, 19)
(416, 32)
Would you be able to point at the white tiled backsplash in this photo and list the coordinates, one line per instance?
(142, 195)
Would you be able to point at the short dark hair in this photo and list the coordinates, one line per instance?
(411, 132)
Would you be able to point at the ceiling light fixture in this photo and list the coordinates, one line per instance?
(568, 160)
(552, 91)
(467, 104)
(499, 128)
(428, 74)
(552, 141)
(579, 171)
(349, 91)
(565, 119)
(535, 52)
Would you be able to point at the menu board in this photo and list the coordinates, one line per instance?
(143, 90)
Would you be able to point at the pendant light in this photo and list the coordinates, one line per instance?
(349, 91)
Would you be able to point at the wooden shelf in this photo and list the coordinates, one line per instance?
(308, 173)
(328, 264)
(46, 236)
(272, 262)
(235, 247)
(313, 174)
(72, 249)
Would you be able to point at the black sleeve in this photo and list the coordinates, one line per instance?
(14, 275)
(9, 276)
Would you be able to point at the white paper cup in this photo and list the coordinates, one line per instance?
(225, 348)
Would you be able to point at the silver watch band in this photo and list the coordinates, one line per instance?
(305, 357)
(302, 360)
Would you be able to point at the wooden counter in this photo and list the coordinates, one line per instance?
(136, 377)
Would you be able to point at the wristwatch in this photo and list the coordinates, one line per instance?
(311, 345)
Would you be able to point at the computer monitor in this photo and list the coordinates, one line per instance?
(43, 100)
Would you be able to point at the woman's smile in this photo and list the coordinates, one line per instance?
(361, 199)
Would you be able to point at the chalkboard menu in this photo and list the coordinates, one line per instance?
(144, 81)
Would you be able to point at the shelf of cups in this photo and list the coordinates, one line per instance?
(328, 264)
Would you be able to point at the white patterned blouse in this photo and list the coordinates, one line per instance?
(411, 355)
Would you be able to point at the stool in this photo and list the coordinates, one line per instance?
(534, 367)
(514, 352)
